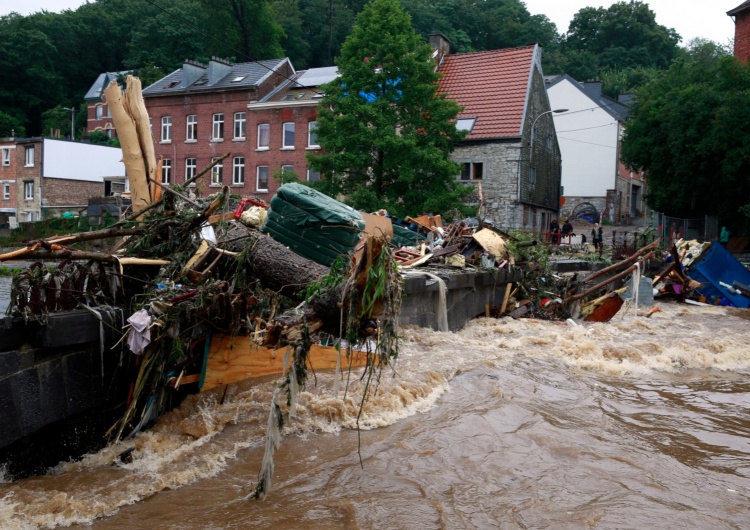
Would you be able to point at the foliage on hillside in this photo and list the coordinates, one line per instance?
(55, 57)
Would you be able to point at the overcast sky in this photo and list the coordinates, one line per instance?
(690, 18)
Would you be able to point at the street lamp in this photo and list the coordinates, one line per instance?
(72, 122)
(531, 145)
(556, 111)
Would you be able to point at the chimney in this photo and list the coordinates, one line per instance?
(191, 72)
(594, 88)
(218, 69)
(441, 45)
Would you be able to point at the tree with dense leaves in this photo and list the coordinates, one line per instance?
(689, 130)
(386, 133)
(249, 28)
(623, 35)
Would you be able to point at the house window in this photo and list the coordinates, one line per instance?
(191, 132)
(549, 141)
(238, 170)
(28, 190)
(166, 128)
(166, 171)
(190, 165)
(312, 134)
(108, 130)
(472, 171)
(217, 132)
(240, 125)
(29, 217)
(6, 192)
(288, 136)
(261, 183)
(313, 175)
(6, 157)
(99, 112)
(264, 135)
(532, 178)
(30, 156)
(216, 172)
(109, 114)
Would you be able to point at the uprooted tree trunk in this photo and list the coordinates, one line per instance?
(289, 274)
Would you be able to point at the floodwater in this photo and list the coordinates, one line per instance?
(637, 423)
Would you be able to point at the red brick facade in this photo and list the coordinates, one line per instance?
(99, 119)
(742, 36)
(180, 141)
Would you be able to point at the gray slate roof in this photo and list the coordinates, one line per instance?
(593, 90)
(744, 6)
(95, 92)
(251, 74)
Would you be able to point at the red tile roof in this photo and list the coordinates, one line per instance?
(491, 86)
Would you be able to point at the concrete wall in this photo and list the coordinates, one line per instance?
(52, 374)
(468, 291)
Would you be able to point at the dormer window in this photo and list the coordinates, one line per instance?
(238, 78)
(172, 84)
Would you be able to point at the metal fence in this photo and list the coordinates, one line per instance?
(672, 229)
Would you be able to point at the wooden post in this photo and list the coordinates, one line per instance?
(505, 298)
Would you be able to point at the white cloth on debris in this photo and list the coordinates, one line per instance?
(139, 335)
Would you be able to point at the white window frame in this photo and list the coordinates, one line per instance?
(288, 126)
(240, 125)
(6, 157)
(258, 189)
(191, 166)
(166, 129)
(312, 172)
(238, 171)
(217, 127)
(267, 135)
(99, 112)
(28, 190)
(6, 192)
(311, 134)
(217, 172)
(166, 171)
(29, 156)
(191, 128)
(108, 130)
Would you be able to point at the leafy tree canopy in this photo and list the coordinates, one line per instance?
(689, 130)
(621, 36)
(387, 135)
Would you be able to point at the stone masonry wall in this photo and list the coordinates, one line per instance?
(500, 178)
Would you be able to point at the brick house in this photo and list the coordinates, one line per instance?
(741, 16)
(261, 113)
(98, 116)
(503, 96)
(45, 177)
(590, 134)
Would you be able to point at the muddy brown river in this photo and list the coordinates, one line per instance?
(637, 423)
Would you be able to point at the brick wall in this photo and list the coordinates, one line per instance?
(64, 192)
(8, 182)
(742, 36)
(28, 174)
(204, 148)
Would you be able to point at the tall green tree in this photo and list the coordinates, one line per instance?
(689, 130)
(247, 26)
(386, 133)
(623, 35)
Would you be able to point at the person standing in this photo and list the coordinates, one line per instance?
(596, 237)
(724, 236)
(554, 229)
